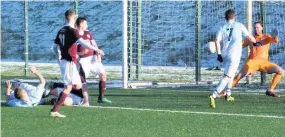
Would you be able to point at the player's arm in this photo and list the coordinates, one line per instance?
(59, 56)
(57, 52)
(81, 42)
(218, 45)
(94, 44)
(88, 45)
(8, 90)
(251, 39)
(246, 34)
(37, 74)
(273, 38)
(56, 47)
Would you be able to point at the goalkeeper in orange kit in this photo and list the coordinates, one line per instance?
(258, 59)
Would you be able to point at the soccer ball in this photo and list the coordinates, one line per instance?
(210, 47)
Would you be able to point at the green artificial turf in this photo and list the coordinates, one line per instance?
(176, 116)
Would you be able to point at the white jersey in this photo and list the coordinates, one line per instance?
(231, 35)
(35, 94)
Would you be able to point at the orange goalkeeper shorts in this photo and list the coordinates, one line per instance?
(253, 65)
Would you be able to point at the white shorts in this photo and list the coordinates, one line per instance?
(69, 73)
(75, 99)
(231, 67)
(90, 66)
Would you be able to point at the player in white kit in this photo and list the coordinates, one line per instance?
(231, 35)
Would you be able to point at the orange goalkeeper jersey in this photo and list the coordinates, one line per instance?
(261, 52)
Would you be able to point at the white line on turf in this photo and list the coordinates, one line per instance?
(190, 112)
(185, 112)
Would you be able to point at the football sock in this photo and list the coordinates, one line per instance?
(58, 85)
(102, 88)
(59, 102)
(77, 92)
(277, 77)
(229, 92)
(229, 87)
(221, 86)
(215, 94)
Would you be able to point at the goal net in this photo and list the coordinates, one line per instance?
(166, 40)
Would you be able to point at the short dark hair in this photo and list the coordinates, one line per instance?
(17, 93)
(80, 20)
(230, 14)
(258, 22)
(68, 13)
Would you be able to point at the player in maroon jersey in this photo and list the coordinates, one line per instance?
(67, 39)
(91, 61)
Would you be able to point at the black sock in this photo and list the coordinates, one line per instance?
(77, 92)
(58, 85)
(100, 88)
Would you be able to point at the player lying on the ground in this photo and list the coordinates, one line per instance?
(25, 95)
(91, 61)
(67, 39)
(258, 59)
(231, 36)
(74, 98)
(56, 88)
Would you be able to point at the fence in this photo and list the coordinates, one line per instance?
(164, 39)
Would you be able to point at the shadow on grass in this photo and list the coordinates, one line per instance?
(153, 95)
(4, 104)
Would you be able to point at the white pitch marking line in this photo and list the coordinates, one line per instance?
(185, 112)
(190, 112)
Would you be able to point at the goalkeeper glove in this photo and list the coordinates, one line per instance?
(257, 44)
(220, 58)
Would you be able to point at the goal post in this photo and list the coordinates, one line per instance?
(249, 27)
(125, 45)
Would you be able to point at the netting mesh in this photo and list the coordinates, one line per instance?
(168, 38)
(168, 35)
(167, 41)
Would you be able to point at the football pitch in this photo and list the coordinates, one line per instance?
(153, 112)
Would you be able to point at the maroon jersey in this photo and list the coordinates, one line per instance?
(87, 37)
(66, 39)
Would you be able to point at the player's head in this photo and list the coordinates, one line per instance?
(230, 14)
(21, 94)
(70, 16)
(81, 23)
(258, 27)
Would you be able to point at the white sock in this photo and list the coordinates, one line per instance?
(229, 87)
(221, 86)
(229, 93)
(215, 94)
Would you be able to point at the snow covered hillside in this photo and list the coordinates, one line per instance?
(168, 29)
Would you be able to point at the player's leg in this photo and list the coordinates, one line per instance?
(60, 101)
(271, 68)
(99, 69)
(231, 67)
(233, 82)
(70, 77)
(220, 87)
(84, 85)
(228, 91)
(249, 67)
